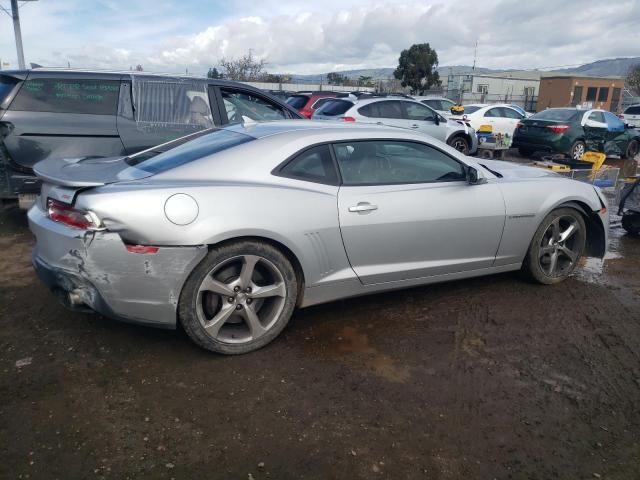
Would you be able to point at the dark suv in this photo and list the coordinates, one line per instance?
(72, 114)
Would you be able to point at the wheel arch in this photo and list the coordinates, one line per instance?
(596, 245)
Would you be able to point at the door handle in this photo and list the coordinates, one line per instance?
(415, 126)
(363, 207)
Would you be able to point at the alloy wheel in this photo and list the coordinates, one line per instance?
(240, 299)
(578, 151)
(461, 145)
(559, 247)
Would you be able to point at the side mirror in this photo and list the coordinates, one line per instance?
(474, 177)
(437, 120)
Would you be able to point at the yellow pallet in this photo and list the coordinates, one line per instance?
(554, 167)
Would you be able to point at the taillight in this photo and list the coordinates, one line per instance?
(558, 128)
(519, 125)
(621, 116)
(306, 113)
(71, 217)
(142, 249)
(347, 119)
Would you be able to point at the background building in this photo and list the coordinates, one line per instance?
(589, 92)
(517, 87)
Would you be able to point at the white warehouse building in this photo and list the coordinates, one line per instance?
(505, 87)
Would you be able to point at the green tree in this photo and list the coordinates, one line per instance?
(365, 81)
(213, 73)
(417, 68)
(633, 79)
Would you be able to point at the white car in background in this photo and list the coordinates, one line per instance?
(403, 113)
(631, 115)
(439, 104)
(503, 119)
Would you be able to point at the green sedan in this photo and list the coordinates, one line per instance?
(573, 132)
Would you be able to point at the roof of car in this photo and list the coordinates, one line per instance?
(267, 129)
(367, 101)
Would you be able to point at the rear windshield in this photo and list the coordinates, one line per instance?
(562, 114)
(334, 107)
(471, 108)
(633, 110)
(196, 146)
(59, 95)
(6, 85)
(297, 101)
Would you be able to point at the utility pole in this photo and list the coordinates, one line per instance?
(18, 34)
(475, 56)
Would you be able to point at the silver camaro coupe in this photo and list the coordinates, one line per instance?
(229, 230)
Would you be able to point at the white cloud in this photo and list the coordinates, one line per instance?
(300, 37)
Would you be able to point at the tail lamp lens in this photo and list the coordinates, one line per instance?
(347, 119)
(64, 213)
(558, 128)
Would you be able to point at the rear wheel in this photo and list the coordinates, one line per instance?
(632, 149)
(460, 143)
(631, 223)
(239, 297)
(578, 149)
(556, 247)
(525, 152)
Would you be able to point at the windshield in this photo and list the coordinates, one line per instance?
(297, 101)
(187, 149)
(562, 114)
(6, 85)
(334, 107)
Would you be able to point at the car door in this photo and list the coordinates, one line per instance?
(512, 117)
(423, 119)
(384, 112)
(236, 103)
(499, 121)
(406, 212)
(595, 130)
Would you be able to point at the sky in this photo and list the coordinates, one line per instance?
(305, 37)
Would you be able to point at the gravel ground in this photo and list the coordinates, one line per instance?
(486, 378)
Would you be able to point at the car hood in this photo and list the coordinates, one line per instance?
(510, 170)
(87, 171)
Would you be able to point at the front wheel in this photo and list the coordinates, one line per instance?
(556, 247)
(239, 298)
(460, 143)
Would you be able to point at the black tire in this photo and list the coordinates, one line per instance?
(460, 143)
(631, 223)
(576, 147)
(632, 149)
(190, 313)
(525, 152)
(536, 261)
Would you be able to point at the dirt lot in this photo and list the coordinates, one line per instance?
(487, 378)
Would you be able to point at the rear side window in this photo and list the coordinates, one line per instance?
(334, 107)
(208, 144)
(561, 114)
(6, 85)
(96, 97)
(313, 165)
(297, 101)
(633, 110)
(385, 109)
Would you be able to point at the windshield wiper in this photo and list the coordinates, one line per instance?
(499, 175)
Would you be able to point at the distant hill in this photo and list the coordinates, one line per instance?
(612, 67)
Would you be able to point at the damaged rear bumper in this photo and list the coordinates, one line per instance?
(94, 271)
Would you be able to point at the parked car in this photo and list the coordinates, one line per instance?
(502, 118)
(631, 115)
(307, 102)
(404, 113)
(439, 104)
(520, 109)
(228, 233)
(74, 114)
(572, 132)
